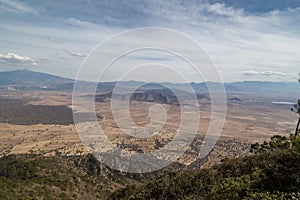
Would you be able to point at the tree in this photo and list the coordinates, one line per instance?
(277, 143)
(296, 109)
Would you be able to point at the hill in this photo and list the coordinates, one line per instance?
(37, 177)
(25, 79)
(273, 175)
(27, 76)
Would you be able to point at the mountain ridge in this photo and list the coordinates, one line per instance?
(31, 80)
(23, 72)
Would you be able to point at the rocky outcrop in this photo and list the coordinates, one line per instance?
(163, 96)
(158, 96)
(103, 97)
(235, 100)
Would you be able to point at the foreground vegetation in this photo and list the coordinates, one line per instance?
(38, 177)
(270, 175)
(273, 175)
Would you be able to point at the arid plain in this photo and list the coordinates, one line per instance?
(246, 123)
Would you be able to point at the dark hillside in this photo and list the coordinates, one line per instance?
(274, 175)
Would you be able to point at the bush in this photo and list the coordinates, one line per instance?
(277, 143)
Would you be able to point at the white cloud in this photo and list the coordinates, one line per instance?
(16, 7)
(250, 73)
(75, 54)
(15, 59)
(222, 9)
(272, 73)
(86, 25)
(63, 58)
(78, 22)
(264, 73)
(56, 40)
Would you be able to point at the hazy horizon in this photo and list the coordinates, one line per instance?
(242, 81)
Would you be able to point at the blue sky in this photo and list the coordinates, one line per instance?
(247, 40)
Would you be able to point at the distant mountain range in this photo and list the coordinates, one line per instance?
(25, 79)
(30, 80)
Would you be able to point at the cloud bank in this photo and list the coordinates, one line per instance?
(264, 73)
(15, 59)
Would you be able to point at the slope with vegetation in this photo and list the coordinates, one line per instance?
(38, 177)
(272, 175)
(268, 175)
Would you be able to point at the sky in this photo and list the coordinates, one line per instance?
(246, 40)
